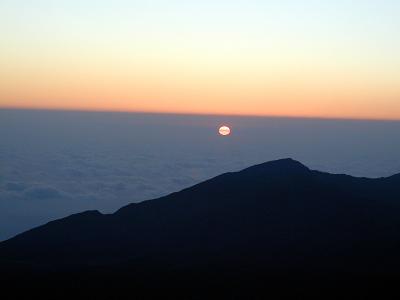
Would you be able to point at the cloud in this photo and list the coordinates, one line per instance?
(15, 186)
(73, 173)
(42, 193)
(118, 187)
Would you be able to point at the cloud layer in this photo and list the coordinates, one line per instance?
(56, 163)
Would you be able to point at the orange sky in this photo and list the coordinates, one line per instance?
(286, 59)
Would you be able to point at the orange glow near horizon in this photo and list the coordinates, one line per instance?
(228, 96)
(284, 58)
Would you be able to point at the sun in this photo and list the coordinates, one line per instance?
(224, 130)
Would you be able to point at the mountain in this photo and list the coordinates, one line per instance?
(275, 222)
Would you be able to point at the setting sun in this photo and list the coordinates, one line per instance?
(224, 130)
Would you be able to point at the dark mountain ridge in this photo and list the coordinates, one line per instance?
(277, 218)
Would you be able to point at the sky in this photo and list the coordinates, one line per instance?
(335, 59)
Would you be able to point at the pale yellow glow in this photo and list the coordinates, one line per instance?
(224, 130)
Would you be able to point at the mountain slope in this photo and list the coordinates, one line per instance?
(275, 215)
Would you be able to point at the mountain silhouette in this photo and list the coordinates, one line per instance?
(277, 220)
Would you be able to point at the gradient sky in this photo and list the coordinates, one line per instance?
(295, 58)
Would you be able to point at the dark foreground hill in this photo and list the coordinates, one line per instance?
(276, 228)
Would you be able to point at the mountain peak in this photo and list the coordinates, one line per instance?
(285, 162)
(280, 166)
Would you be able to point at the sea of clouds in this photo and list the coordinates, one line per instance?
(55, 163)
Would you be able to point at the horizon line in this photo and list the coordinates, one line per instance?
(182, 113)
